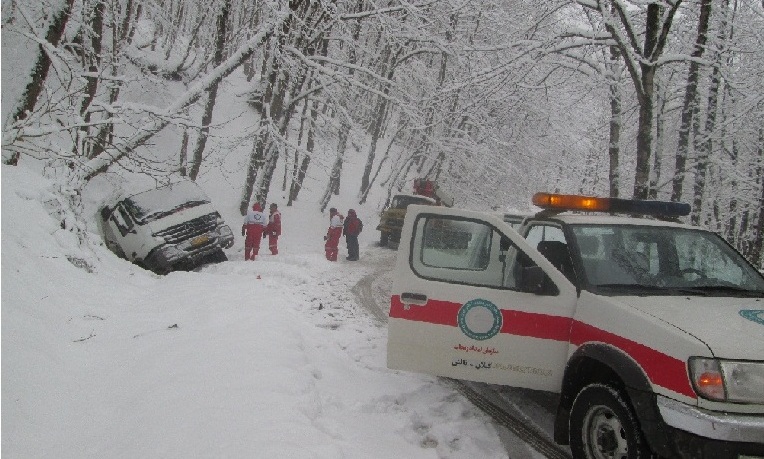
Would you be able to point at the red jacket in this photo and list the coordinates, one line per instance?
(274, 224)
(352, 225)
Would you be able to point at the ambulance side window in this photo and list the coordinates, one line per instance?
(550, 241)
(122, 220)
(466, 252)
(538, 233)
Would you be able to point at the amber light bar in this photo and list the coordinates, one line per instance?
(564, 202)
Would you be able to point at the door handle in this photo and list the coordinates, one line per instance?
(416, 299)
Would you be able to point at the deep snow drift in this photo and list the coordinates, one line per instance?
(272, 358)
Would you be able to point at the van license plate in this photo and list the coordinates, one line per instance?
(199, 240)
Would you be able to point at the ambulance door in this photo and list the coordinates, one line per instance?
(471, 300)
(123, 227)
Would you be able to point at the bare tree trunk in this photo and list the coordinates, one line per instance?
(269, 166)
(690, 105)
(642, 71)
(644, 142)
(93, 56)
(705, 149)
(365, 195)
(124, 28)
(333, 187)
(294, 190)
(272, 111)
(375, 134)
(40, 70)
(381, 108)
(183, 158)
(209, 107)
(730, 227)
(660, 136)
(614, 144)
(756, 251)
(646, 101)
(256, 160)
(105, 134)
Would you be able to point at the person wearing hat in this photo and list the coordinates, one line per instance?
(273, 230)
(333, 234)
(253, 227)
(351, 229)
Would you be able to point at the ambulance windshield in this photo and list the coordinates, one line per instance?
(663, 260)
(154, 204)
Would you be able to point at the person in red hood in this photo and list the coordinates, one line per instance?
(352, 228)
(333, 234)
(273, 230)
(253, 227)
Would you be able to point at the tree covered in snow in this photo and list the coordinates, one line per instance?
(493, 99)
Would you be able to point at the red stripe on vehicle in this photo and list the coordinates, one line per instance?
(662, 369)
(434, 312)
(535, 325)
(514, 322)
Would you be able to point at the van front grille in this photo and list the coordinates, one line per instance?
(189, 229)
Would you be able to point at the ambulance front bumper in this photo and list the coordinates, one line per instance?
(743, 433)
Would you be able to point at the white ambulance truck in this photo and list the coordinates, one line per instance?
(167, 228)
(650, 331)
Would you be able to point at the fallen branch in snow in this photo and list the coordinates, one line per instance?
(92, 334)
(171, 327)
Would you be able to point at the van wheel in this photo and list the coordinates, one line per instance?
(218, 257)
(383, 238)
(603, 425)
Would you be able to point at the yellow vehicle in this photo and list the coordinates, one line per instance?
(426, 192)
(391, 219)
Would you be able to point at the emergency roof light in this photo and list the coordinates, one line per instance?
(563, 202)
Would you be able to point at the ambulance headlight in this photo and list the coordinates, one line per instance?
(225, 232)
(728, 380)
(226, 236)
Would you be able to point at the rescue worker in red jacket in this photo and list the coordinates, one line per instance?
(351, 229)
(333, 235)
(273, 230)
(253, 227)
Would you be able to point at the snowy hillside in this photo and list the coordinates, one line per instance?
(272, 358)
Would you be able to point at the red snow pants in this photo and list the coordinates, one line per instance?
(332, 243)
(273, 244)
(252, 242)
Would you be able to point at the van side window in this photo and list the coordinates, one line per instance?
(464, 251)
(122, 220)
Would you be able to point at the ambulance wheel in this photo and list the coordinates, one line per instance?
(603, 425)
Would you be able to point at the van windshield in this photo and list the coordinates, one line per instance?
(154, 204)
(662, 260)
(402, 201)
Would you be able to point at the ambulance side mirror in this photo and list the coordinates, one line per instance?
(105, 213)
(504, 244)
(535, 280)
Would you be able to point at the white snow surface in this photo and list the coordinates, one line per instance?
(276, 358)
(272, 358)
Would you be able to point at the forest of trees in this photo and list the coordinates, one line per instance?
(495, 99)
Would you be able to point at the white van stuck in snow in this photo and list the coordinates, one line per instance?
(650, 331)
(167, 228)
